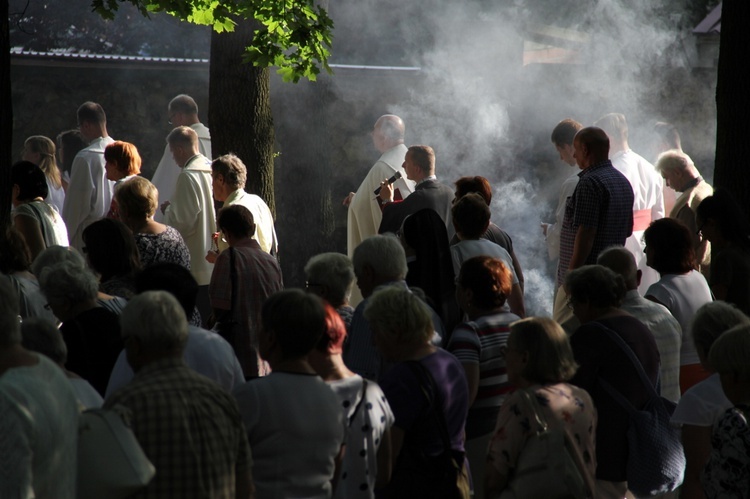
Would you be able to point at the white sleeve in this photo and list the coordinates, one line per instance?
(121, 375)
(77, 206)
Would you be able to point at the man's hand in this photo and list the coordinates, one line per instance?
(211, 256)
(348, 199)
(386, 191)
(164, 207)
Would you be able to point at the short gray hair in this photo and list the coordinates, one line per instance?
(712, 320)
(384, 254)
(56, 254)
(399, 319)
(10, 327)
(674, 160)
(620, 261)
(157, 319)
(41, 336)
(334, 271)
(68, 282)
(730, 353)
(232, 169)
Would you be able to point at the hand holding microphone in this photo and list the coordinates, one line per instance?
(390, 181)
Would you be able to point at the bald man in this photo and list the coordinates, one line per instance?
(364, 210)
(598, 215)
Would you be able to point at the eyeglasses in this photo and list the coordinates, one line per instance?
(310, 284)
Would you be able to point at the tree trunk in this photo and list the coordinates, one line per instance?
(239, 109)
(6, 118)
(733, 103)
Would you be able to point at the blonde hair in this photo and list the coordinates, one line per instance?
(550, 356)
(137, 198)
(45, 147)
(399, 320)
(730, 353)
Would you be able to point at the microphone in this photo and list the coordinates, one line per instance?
(395, 177)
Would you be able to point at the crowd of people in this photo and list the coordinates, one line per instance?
(426, 379)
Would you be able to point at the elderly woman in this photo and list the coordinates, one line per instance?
(122, 163)
(111, 252)
(425, 240)
(595, 296)
(40, 150)
(331, 276)
(482, 287)
(40, 224)
(294, 421)
(540, 362)
(15, 263)
(137, 200)
(38, 416)
(680, 288)
(727, 472)
(91, 332)
(703, 405)
(427, 391)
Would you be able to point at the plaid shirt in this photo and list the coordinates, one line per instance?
(258, 277)
(189, 428)
(602, 200)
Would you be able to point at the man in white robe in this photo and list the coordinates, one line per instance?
(365, 214)
(648, 204)
(182, 111)
(89, 192)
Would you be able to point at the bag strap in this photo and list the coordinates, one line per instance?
(433, 398)
(638, 367)
(530, 399)
(359, 404)
(40, 220)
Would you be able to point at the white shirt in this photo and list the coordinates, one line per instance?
(469, 248)
(165, 176)
(668, 335)
(206, 353)
(265, 232)
(89, 192)
(191, 212)
(55, 196)
(683, 295)
(703, 404)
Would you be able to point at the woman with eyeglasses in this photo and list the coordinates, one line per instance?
(723, 223)
(680, 288)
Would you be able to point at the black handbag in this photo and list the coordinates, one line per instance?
(417, 474)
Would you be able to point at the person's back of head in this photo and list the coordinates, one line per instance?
(489, 280)
(564, 132)
(30, 180)
(726, 215)
(668, 135)
(424, 158)
(237, 221)
(384, 255)
(91, 112)
(614, 125)
(68, 145)
(550, 357)
(674, 160)
(331, 276)
(137, 199)
(232, 169)
(14, 253)
(471, 216)
(400, 320)
(671, 247)
(184, 137)
(621, 262)
(125, 156)
(42, 336)
(111, 249)
(56, 254)
(183, 104)
(156, 321)
(479, 185)
(390, 130)
(332, 340)
(595, 141)
(596, 285)
(44, 148)
(68, 283)
(172, 278)
(296, 320)
(10, 326)
(711, 321)
(730, 355)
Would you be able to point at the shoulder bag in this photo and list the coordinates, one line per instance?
(111, 462)
(656, 462)
(549, 466)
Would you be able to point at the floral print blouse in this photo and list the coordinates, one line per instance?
(563, 404)
(727, 472)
